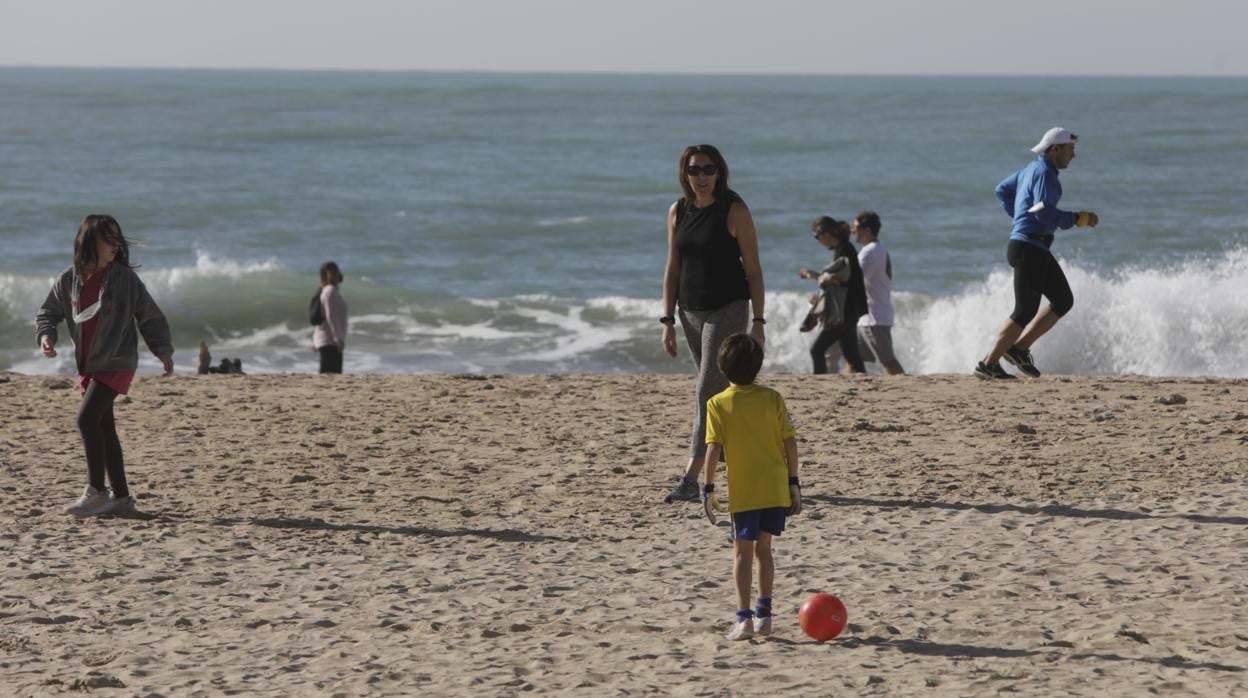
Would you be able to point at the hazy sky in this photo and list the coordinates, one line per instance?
(1114, 37)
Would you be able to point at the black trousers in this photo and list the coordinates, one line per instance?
(847, 335)
(331, 359)
(1036, 274)
(99, 439)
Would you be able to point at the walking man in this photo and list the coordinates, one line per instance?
(875, 329)
(1030, 197)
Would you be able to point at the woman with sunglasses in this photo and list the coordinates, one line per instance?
(712, 277)
(844, 271)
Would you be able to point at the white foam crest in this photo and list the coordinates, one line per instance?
(569, 220)
(631, 308)
(1186, 320)
(206, 267)
(788, 348)
(21, 296)
(579, 336)
(262, 337)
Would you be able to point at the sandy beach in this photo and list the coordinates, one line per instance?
(504, 535)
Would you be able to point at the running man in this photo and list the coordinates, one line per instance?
(1030, 196)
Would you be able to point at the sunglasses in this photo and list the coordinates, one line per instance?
(698, 170)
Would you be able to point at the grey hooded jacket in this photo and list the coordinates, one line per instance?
(124, 305)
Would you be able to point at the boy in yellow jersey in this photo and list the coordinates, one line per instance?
(750, 425)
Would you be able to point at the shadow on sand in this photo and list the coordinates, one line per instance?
(959, 651)
(507, 536)
(1046, 510)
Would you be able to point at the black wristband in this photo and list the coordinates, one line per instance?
(667, 320)
(760, 320)
(708, 487)
(794, 481)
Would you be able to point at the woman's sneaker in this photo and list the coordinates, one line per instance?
(119, 506)
(1022, 359)
(684, 491)
(90, 503)
(992, 371)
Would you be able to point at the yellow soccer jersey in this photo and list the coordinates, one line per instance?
(751, 423)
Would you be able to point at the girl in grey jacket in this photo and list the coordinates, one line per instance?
(105, 306)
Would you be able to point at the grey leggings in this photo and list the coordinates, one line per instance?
(705, 330)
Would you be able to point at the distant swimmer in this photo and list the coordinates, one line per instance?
(1030, 197)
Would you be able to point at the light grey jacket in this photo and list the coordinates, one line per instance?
(124, 306)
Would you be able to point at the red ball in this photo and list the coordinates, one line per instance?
(822, 617)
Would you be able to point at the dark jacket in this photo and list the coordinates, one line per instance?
(856, 290)
(126, 310)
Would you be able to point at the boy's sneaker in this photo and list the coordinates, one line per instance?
(119, 506)
(1022, 359)
(90, 503)
(992, 371)
(684, 491)
(742, 631)
(762, 625)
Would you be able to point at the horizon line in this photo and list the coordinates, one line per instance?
(638, 73)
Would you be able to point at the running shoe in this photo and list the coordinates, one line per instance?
(90, 503)
(742, 631)
(684, 491)
(992, 371)
(1021, 358)
(123, 506)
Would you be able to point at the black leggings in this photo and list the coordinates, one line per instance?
(1036, 273)
(331, 359)
(847, 335)
(99, 439)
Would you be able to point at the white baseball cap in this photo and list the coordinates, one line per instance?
(1054, 136)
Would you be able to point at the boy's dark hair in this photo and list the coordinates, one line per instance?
(869, 220)
(740, 358)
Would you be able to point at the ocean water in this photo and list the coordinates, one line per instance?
(514, 223)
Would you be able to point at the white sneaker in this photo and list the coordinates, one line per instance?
(90, 503)
(124, 506)
(742, 631)
(762, 626)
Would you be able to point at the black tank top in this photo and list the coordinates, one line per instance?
(711, 272)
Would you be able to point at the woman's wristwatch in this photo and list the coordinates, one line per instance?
(761, 320)
(667, 320)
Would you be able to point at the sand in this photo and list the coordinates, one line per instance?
(502, 535)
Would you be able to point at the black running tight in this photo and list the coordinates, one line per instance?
(99, 439)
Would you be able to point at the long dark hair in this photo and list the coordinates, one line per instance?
(93, 229)
(721, 184)
(830, 225)
(331, 275)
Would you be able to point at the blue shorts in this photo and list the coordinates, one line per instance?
(746, 525)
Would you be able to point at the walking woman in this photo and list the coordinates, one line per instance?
(330, 337)
(845, 271)
(102, 301)
(712, 277)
